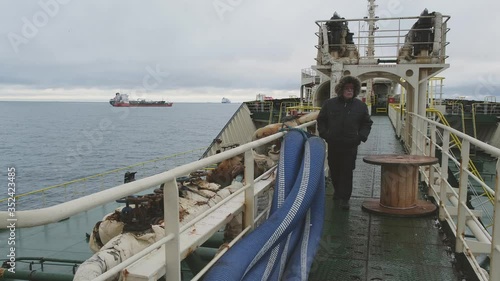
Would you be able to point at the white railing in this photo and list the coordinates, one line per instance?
(394, 39)
(56, 213)
(58, 193)
(472, 238)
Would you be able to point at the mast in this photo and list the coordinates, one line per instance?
(370, 51)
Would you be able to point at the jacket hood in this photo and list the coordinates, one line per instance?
(348, 80)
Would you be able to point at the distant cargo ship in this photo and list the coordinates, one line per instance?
(121, 100)
(225, 100)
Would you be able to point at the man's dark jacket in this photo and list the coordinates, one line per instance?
(344, 123)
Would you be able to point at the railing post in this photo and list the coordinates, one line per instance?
(438, 34)
(495, 237)
(432, 145)
(171, 221)
(417, 134)
(248, 219)
(399, 119)
(422, 134)
(425, 134)
(462, 196)
(399, 35)
(413, 138)
(444, 175)
(432, 153)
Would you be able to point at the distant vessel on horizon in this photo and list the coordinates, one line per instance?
(121, 100)
(225, 100)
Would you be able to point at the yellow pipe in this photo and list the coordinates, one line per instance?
(457, 141)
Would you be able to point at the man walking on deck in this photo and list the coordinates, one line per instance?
(344, 123)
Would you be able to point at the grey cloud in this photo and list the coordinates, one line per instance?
(250, 44)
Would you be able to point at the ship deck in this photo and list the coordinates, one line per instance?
(357, 245)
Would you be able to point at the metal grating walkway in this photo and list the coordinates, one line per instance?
(357, 245)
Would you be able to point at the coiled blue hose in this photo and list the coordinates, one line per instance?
(283, 247)
(272, 265)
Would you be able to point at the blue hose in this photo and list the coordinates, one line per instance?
(301, 246)
(288, 169)
(296, 263)
(303, 255)
(285, 244)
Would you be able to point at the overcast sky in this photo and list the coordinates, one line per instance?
(201, 51)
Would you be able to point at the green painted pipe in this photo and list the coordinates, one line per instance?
(206, 253)
(33, 275)
(198, 259)
(215, 240)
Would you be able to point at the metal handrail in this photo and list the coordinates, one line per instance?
(458, 143)
(100, 175)
(391, 37)
(452, 204)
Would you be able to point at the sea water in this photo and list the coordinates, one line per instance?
(49, 143)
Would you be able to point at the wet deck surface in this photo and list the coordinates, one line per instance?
(357, 245)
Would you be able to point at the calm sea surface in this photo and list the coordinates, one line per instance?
(50, 143)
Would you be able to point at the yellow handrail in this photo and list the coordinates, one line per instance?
(458, 143)
(303, 108)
